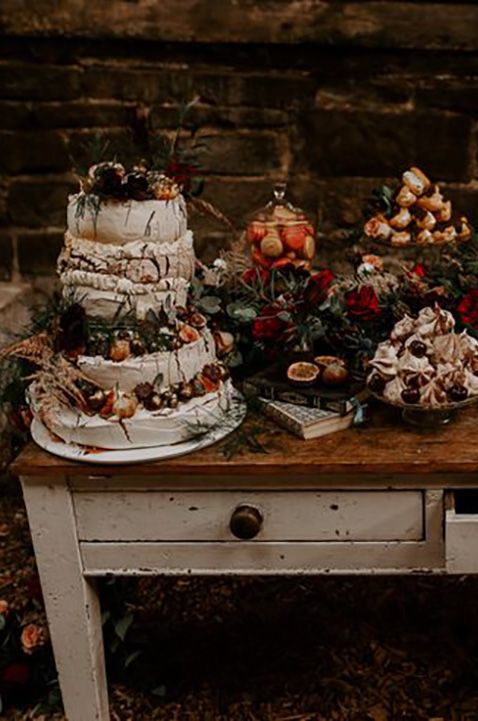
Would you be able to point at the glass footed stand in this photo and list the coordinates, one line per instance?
(426, 417)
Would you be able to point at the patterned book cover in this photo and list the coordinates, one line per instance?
(305, 421)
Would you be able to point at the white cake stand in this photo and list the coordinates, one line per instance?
(230, 420)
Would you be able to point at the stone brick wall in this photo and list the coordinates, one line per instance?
(337, 96)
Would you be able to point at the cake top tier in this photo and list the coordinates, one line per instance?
(117, 207)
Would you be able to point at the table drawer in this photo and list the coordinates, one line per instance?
(461, 532)
(286, 515)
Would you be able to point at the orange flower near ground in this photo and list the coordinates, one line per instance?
(32, 638)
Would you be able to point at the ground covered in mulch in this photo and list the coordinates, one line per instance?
(268, 649)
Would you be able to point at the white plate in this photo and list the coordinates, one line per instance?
(72, 452)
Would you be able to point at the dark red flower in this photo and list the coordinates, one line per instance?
(318, 287)
(251, 276)
(15, 673)
(268, 326)
(467, 309)
(362, 303)
(181, 173)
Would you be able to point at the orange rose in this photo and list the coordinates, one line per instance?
(32, 638)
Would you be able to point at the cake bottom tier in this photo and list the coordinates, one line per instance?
(146, 428)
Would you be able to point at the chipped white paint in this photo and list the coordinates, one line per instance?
(71, 602)
(88, 527)
(461, 540)
(288, 516)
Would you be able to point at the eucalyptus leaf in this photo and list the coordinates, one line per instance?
(210, 304)
(240, 312)
(132, 657)
(122, 626)
(235, 359)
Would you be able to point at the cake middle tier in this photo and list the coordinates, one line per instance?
(134, 277)
(163, 369)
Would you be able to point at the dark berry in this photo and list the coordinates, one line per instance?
(411, 395)
(377, 384)
(417, 348)
(153, 402)
(213, 372)
(137, 347)
(457, 393)
(143, 391)
(182, 313)
(185, 391)
(123, 334)
(109, 182)
(136, 186)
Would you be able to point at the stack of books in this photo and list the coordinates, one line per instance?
(308, 412)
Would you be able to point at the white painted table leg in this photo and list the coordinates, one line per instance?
(72, 605)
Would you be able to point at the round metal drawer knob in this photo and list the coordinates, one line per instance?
(246, 522)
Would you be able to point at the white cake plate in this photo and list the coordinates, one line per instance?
(231, 420)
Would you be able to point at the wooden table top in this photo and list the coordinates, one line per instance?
(385, 446)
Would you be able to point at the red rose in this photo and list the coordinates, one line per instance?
(362, 303)
(181, 173)
(318, 286)
(251, 276)
(16, 673)
(268, 326)
(467, 309)
(418, 270)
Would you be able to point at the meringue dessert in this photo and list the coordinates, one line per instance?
(425, 363)
(145, 363)
(417, 214)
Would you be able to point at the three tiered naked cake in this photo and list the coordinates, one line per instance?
(148, 373)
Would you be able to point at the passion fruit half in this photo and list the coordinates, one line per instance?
(322, 361)
(302, 373)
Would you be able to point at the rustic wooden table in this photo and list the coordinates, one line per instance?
(372, 500)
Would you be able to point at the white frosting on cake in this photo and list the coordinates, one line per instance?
(138, 261)
(165, 368)
(120, 222)
(165, 427)
(102, 296)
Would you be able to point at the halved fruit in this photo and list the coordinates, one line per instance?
(188, 334)
(322, 361)
(197, 320)
(302, 373)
